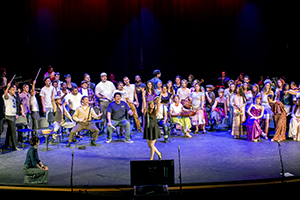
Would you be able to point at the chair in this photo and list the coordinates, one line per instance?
(42, 123)
(99, 124)
(50, 118)
(22, 121)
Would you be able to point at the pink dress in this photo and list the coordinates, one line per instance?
(253, 125)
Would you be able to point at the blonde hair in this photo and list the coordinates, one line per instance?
(265, 89)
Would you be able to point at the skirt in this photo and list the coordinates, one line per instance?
(294, 131)
(151, 131)
(185, 122)
(268, 113)
(35, 175)
(199, 118)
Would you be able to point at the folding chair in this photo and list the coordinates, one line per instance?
(42, 124)
(22, 121)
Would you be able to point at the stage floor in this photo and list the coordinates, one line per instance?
(205, 158)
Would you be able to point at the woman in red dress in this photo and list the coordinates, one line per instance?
(280, 118)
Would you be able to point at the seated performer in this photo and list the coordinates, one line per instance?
(219, 109)
(162, 116)
(295, 122)
(59, 110)
(34, 170)
(116, 116)
(176, 109)
(83, 116)
(280, 118)
(255, 112)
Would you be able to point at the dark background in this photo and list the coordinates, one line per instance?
(179, 37)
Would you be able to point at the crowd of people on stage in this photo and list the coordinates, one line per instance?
(157, 106)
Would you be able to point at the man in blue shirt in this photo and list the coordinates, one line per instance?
(116, 116)
(155, 79)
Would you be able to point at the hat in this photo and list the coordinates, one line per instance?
(267, 81)
(67, 75)
(155, 72)
(84, 81)
(103, 74)
(209, 86)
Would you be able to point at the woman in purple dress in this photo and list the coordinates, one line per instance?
(255, 112)
(149, 92)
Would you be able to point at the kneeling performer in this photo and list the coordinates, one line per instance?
(83, 116)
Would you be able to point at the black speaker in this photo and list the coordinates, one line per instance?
(152, 172)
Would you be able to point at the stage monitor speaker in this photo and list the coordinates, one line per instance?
(152, 172)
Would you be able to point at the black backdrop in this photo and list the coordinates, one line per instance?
(202, 37)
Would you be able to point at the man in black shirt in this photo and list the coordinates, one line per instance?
(116, 116)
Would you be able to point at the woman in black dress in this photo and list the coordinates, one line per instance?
(151, 129)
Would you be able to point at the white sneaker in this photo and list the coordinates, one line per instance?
(128, 141)
(108, 141)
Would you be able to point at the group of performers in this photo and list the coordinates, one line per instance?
(242, 108)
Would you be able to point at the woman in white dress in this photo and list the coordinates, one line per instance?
(268, 114)
(248, 95)
(198, 98)
(294, 131)
(239, 104)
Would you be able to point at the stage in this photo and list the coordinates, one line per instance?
(205, 158)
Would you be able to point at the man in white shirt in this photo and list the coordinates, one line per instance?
(104, 91)
(45, 94)
(73, 100)
(130, 89)
(122, 91)
(34, 107)
(10, 116)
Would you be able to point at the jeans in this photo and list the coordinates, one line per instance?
(125, 123)
(164, 126)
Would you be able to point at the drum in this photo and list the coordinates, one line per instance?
(188, 113)
(186, 103)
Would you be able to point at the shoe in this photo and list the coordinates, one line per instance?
(108, 141)
(52, 142)
(128, 141)
(17, 149)
(93, 143)
(160, 157)
(187, 135)
(68, 145)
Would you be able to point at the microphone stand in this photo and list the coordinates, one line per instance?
(71, 178)
(281, 162)
(180, 183)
